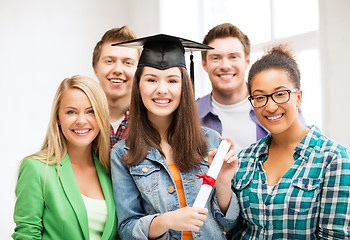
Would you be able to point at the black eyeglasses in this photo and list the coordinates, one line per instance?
(282, 96)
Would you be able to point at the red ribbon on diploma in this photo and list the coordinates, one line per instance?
(208, 180)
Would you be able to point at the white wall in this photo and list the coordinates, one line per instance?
(41, 43)
(44, 41)
(335, 66)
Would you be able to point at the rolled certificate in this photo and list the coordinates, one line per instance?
(213, 172)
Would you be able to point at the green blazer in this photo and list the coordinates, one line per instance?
(59, 213)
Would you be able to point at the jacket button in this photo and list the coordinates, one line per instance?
(145, 169)
(170, 189)
(123, 127)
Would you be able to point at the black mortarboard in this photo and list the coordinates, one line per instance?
(164, 51)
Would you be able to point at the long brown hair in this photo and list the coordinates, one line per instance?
(184, 135)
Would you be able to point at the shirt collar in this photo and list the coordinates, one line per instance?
(263, 148)
(206, 106)
(306, 146)
(303, 149)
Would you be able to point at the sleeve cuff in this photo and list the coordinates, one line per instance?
(141, 228)
(227, 220)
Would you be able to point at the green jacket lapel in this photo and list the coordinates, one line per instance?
(71, 189)
(106, 185)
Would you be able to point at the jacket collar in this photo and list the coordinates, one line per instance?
(71, 189)
(204, 104)
(153, 154)
(106, 184)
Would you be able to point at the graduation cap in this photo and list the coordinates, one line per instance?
(163, 51)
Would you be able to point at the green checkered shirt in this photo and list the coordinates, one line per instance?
(311, 201)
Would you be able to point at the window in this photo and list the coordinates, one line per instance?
(266, 22)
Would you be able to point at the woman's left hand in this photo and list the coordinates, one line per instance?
(229, 166)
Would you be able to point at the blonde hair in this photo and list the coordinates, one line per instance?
(54, 147)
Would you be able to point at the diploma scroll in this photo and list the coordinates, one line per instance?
(213, 172)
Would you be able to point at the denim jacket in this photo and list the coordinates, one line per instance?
(146, 190)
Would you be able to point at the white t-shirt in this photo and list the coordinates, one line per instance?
(116, 124)
(236, 123)
(269, 189)
(97, 216)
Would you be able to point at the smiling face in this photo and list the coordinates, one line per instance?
(77, 119)
(226, 65)
(115, 70)
(160, 92)
(276, 117)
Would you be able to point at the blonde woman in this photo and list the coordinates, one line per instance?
(64, 190)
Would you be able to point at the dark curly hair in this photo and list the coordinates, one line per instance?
(278, 57)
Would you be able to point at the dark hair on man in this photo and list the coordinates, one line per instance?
(184, 135)
(277, 57)
(223, 31)
(113, 35)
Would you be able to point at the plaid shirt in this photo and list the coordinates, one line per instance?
(311, 201)
(121, 132)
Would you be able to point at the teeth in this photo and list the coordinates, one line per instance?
(117, 81)
(226, 76)
(162, 101)
(274, 117)
(81, 131)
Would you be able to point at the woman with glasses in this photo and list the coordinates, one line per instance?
(294, 183)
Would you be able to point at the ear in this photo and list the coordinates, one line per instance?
(95, 71)
(204, 65)
(247, 60)
(299, 97)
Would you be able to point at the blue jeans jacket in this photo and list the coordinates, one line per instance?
(141, 193)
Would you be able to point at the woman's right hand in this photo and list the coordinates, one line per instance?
(183, 219)
(186, 219)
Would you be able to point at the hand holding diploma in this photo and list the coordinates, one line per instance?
(223, 163)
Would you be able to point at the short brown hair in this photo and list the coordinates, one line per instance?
(114, 35)
(223, 31)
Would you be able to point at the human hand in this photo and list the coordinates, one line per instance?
(229, 165)
(186, 219)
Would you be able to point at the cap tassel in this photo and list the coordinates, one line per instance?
(192, 69)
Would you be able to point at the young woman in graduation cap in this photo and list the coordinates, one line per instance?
(155, 169)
